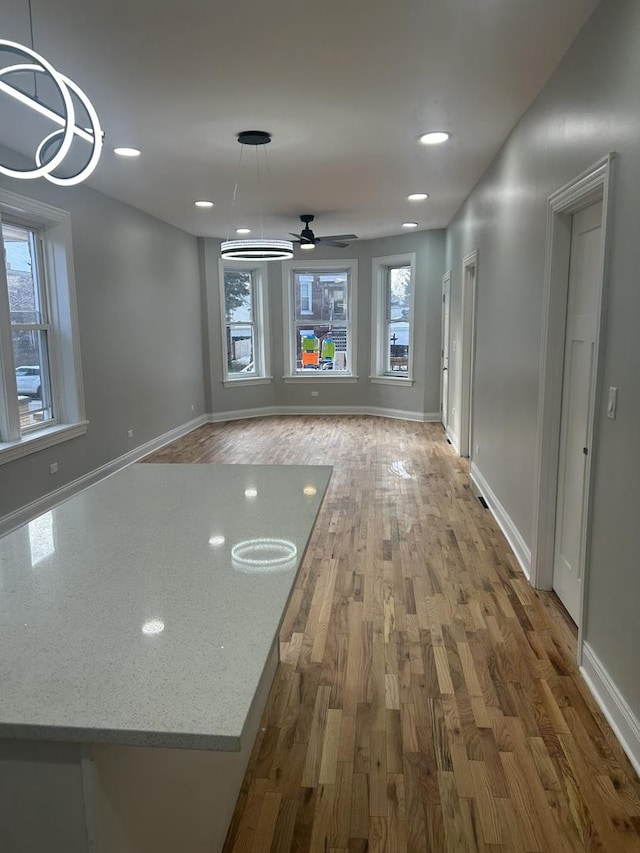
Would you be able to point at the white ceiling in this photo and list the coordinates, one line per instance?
(344, 86)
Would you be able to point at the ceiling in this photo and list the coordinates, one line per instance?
(344, 86)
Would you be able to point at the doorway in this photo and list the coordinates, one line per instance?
(573, 314)
(469, 291)
(446, 325)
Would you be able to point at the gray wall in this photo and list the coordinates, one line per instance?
(589, 107)
(423, 397)
(139, 309)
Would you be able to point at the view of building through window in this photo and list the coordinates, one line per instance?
(398, 319)
(239, 297)
(321, 320)
(28, 313)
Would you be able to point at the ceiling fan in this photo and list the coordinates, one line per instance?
(308, 240)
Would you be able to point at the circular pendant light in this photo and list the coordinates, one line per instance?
(254, 249)
(55, 147)
(257, 250)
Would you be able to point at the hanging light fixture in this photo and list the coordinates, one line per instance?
(54, 148)
(255, 249)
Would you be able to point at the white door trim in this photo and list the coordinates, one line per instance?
(468, 352)
(587, 188)
(446, 291)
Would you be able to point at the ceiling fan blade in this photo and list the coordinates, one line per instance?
(339, 237)
(335, 243)
(297, 236)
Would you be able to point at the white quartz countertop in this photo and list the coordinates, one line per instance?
(125, 617)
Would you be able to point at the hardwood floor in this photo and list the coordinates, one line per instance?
(427, 698)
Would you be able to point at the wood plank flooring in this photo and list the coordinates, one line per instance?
(427, 698)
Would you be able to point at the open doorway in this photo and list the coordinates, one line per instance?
(469, 290)
(573, 312)
(446, 326)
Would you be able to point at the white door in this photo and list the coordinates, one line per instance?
(446, 309)
(577, 390)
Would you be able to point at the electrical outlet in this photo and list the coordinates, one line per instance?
(477, 450)
(612, 403)
(53, 468)
(315, 393)
(193, 408)
(129, 433)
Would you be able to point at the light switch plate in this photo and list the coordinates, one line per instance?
(612, 402)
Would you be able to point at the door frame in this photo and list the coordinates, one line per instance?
(446, 289)
(468, 353)
(591, 186)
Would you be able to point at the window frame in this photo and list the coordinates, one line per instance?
(260, 324)
(55, 262)
(379, 320)
(289, 269)
(44, 324)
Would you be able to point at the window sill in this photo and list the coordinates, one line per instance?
(320, 377)
(40, 440)
(391, 380)
(249, 380)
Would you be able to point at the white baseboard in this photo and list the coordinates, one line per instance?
(513, 536)
(374, 411)
(453, 438)
(46, 502)
(613, 705)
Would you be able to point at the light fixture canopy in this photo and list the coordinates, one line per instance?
(434, 137)
(68, 128)
(256, 250)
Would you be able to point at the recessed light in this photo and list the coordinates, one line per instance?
(243, 230)
(435, 137)
(409, 224)
(251, 493)
(203, 203)
(216, 540)
(153, 626)
(417, 196)
(126, 152)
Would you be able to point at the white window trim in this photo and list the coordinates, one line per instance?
(64, 343)
(379, 267)
(261, 344)
(288, 270)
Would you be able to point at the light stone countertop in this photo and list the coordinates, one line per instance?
(124, 617)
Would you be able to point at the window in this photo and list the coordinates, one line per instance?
(319, 299)
(28, 313)
(243, 306)
(392, 356)
(40, 392)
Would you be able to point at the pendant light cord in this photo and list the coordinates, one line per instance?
(35, 75)
(235, 189)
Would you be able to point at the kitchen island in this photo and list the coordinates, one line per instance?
(139, 629)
